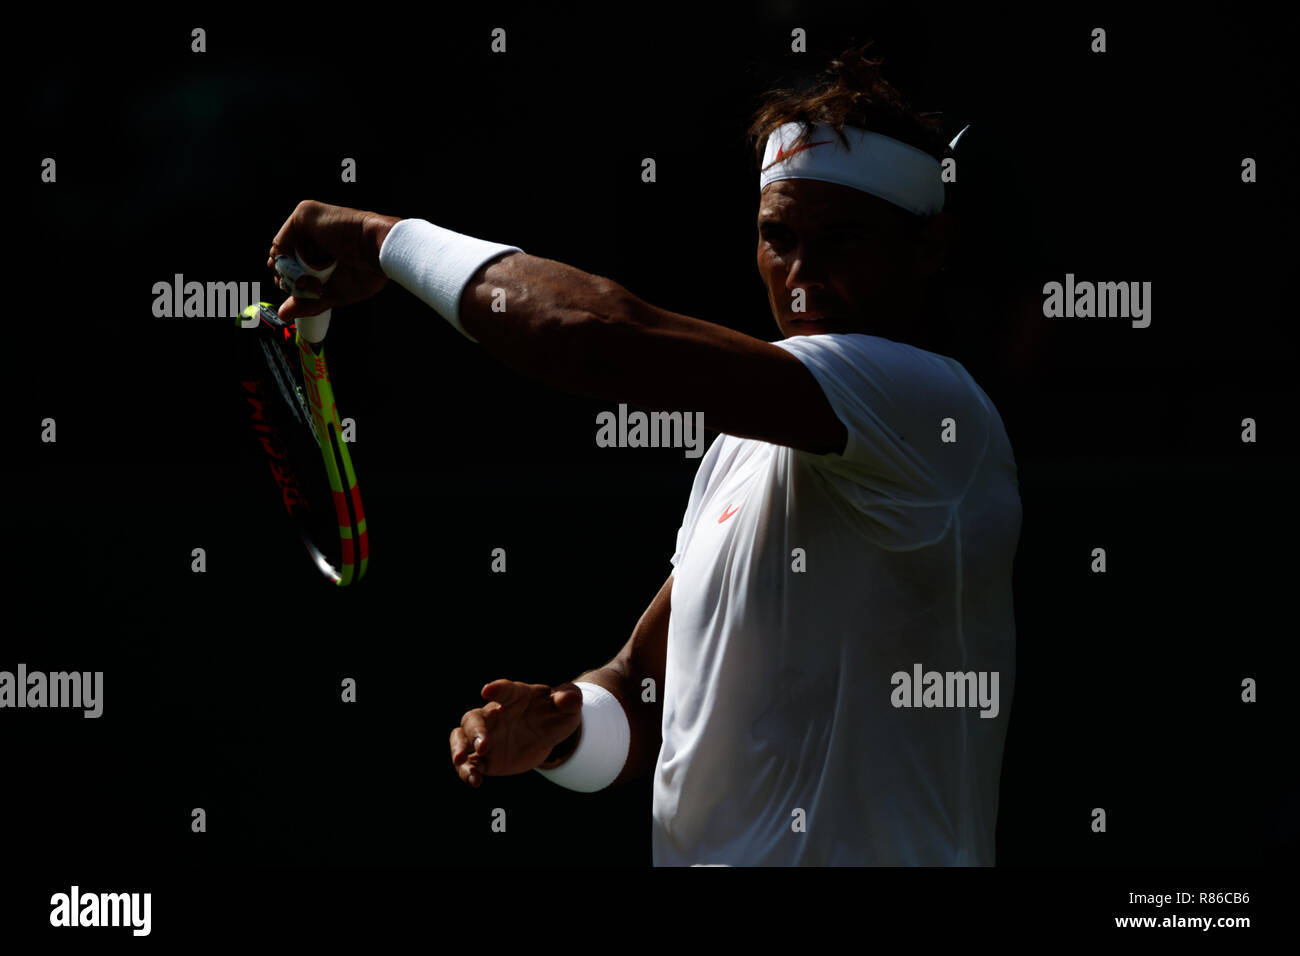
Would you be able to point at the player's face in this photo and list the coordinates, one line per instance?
(856, 258)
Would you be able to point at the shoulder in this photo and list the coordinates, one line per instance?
(882, 365)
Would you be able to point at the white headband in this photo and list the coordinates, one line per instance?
(874, 163)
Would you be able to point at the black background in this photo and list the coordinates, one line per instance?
(222, 689)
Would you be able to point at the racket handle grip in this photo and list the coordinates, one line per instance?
(313, 327)
(292, 270)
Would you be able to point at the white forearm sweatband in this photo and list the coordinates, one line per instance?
(602, 747)
(435, 264)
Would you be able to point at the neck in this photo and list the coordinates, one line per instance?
(918, 321)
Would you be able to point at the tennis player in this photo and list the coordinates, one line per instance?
(803, 687)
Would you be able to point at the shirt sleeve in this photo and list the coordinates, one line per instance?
(917, 423)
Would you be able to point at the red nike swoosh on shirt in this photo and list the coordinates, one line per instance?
(727, 514)
(782, 154)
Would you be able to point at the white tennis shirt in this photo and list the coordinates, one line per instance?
(802, 584)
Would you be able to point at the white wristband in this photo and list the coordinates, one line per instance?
(435, 264)
(602, 747)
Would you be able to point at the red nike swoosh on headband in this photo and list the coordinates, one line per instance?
(727, 514)
(781, 154)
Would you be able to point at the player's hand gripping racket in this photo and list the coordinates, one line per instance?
(289, 399)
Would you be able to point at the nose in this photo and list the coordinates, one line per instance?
(805, 271)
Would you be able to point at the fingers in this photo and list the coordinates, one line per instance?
(512, 709)
(295, 240)
(294, 276)
(308, 285)
(317, 235)
(293, 231)
(503, 691)
(293, 308)
(468, 764)
(476, 724)
(475, 735)
(482, 735)
(567, 698)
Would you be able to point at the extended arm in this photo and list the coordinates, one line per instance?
(578, 332)
(588, 335)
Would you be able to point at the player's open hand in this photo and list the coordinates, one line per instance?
(321, 234)
(515, 731)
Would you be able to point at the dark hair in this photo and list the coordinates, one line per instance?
(852, 91)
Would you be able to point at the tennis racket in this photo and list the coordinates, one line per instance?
(288, 398)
